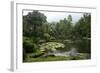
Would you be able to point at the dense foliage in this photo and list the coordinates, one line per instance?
(37, 32)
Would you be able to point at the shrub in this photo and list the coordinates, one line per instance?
(51, 46)
(28, 45)
(46, 36)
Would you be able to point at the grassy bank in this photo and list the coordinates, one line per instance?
(29, 58)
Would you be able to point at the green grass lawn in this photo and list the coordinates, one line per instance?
(54, 58)
(39, 59)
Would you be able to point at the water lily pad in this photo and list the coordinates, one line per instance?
(51, 46)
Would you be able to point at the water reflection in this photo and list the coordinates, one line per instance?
(82, 46)
(75, 50)
(79, 46)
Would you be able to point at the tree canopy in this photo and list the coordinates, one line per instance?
(39, 33)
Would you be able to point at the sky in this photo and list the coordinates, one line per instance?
(56, 16)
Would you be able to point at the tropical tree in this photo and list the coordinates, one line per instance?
(32, 23)
(82, 28)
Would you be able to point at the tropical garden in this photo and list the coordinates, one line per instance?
(56, 41)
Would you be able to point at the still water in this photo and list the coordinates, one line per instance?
(82, 46)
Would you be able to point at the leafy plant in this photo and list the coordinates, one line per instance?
(51, 46)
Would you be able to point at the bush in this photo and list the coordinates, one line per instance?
(28, 45)
(46, 36)
(51, 46)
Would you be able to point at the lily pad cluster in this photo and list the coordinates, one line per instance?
(51, 46)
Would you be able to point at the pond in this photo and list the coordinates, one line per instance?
(67, 47)
(82, 46)
(78, 47)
